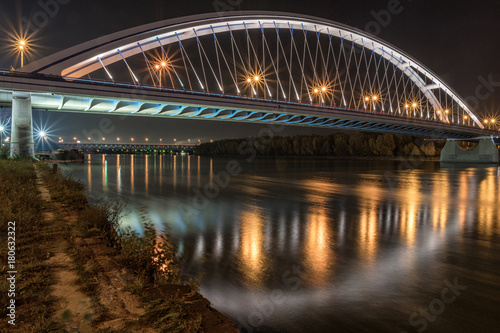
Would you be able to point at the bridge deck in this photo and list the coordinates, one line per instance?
(54, 93)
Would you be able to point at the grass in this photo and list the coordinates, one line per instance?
(171, 315)
(151, 258)
(20, 202)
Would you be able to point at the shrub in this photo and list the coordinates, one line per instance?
(151, 256)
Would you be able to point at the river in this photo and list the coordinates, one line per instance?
(311, 245)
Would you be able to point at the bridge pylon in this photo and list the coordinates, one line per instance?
(486, 151)
(22, 143)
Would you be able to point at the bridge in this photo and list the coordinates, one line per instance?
(124, 148)
(260, 67)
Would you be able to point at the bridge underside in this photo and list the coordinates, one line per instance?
(85, 96)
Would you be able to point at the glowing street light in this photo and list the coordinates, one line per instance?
(117, 139)
(22, 48)
(161, 67)
(132, 139)
(147, 139)
(42, 134)
(1, 134)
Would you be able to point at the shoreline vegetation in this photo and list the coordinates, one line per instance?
(77, 271)
(358, 145)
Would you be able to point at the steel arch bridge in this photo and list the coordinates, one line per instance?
(266, 67)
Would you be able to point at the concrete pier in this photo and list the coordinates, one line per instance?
(485, 152)
(22, 125)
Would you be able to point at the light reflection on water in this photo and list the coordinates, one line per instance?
(300, 245)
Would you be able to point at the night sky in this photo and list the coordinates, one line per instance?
(458, 40)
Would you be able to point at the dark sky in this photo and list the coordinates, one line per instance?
(458, 40)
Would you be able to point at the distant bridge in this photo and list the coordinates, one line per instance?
(127, 147)
(260, 67)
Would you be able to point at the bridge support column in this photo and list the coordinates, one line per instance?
(485, 152)
(22, 126)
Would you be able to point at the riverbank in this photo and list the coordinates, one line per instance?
(75, 272)
(340, 158)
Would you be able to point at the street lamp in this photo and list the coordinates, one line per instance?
(22, 48)
(162, 66)
(1, 135)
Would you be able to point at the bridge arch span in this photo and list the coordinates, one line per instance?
(361, 71)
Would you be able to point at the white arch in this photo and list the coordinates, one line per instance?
(85, 58)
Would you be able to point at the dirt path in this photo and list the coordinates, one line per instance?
(123, 307)
(75, 310)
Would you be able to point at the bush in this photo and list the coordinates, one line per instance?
(4, 153)
(151, 256)
(101, 219)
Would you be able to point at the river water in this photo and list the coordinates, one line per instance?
(305, 245)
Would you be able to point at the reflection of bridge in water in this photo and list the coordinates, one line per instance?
(254, 67)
